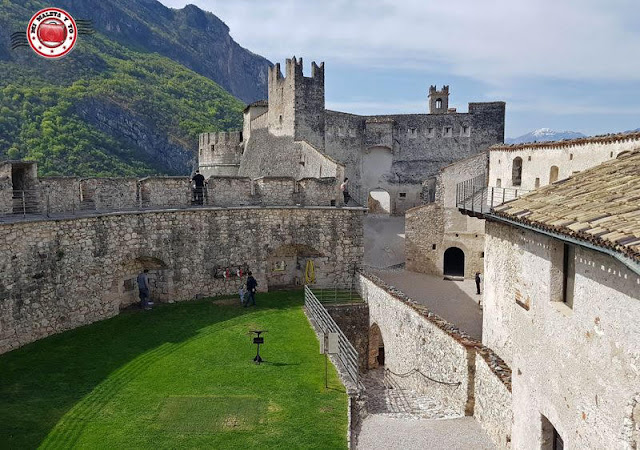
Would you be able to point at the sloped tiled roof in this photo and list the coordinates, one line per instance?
(604, 139)
(600, 205)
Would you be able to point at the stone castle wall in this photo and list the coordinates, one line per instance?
(61, 274)
(569, 157)
(441, 225)
(576, 366)
(419, 145)
(59, 195)
(415, 338)
(493, 403)
(219, 154)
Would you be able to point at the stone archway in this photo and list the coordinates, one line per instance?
(376, 348)
(286, 264)
(379, 202)
(125, 289)
(453, 262)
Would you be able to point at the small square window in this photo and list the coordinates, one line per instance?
(465, 131)
(431, 132)
(129, 285)
(447, 131)
(570, 156)
(403, 194)
(412, 133)
(529, 158)
(433, 246)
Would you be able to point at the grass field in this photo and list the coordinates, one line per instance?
(180, 376)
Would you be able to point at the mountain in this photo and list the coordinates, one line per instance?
(196, 39)
(544, 135)
(117, 105)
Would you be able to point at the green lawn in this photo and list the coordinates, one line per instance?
(180, 376)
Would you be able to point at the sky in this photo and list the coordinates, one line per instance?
(561, 64)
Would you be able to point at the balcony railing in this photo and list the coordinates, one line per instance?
(474, 198)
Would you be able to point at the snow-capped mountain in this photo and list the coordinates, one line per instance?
(544, 135)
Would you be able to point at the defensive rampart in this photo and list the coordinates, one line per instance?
(61, 274)
(431, 355)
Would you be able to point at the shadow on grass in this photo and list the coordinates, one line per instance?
(43, 381)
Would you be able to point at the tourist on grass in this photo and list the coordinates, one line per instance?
(344, 187)
(242, 293)
(252, 284)
(198, 180)
(144, 290)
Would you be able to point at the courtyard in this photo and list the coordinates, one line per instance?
(180, 376)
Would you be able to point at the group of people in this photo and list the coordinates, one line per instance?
(247, 294)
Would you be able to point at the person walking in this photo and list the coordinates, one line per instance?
(144, 290)
(344, 187)
(198, 180)
(478, 283)
(251, 290)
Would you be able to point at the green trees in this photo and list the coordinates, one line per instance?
(40, 119)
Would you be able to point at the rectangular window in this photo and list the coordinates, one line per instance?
(498, 182)
(465, 131)
(568, 274)
(403, 194)
(537, 183)
(412, 133)
(447, 131)
(431, 132)
(433, 246)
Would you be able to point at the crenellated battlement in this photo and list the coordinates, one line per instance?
(220, 153)
(294, 70)
(221, 137)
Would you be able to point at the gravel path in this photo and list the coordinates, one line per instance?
(388, 433)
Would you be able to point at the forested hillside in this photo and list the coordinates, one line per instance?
(106, 109)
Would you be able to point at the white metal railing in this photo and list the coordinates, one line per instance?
(473, 196)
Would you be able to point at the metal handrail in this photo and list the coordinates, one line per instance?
(347, 355)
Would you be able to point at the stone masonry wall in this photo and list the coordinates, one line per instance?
(353, 320)
(568, 156)
(165, 191)
(60, 274)
(63, 193)
(415, 338)
(576, 366)
(103, 194)
(493, 404)
(424, 229)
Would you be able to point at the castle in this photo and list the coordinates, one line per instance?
(292, 133)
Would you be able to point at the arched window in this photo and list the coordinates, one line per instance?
(439, 103)
(553, 174)
(516, 172)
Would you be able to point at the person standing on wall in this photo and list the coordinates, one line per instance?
(344, 187)
(144, 290)
(252, 284)
(478, 283)
(198, 180)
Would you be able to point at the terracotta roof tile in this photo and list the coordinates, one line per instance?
(600, 205)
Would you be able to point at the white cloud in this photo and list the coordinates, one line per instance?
(489, 40)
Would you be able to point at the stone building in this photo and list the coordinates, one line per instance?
(293, 134)
(562, 308)
(530, 166)
(441, 241)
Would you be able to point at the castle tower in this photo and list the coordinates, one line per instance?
(438, 100)
(296, 102)
(219, 153)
